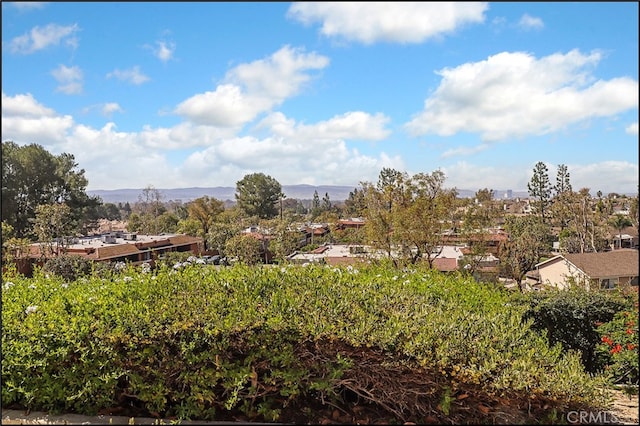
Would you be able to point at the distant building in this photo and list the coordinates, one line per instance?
(117, 247)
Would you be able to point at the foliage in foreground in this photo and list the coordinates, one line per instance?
(618, 346)
(202, 342)
(571, 318)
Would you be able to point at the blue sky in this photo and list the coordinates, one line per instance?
(200, 94)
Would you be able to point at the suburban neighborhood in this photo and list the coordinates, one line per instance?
(295, 234)
(320, 213)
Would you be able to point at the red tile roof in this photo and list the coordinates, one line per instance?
(445, 264)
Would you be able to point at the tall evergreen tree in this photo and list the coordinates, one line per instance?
(540, 189)
(563, 183)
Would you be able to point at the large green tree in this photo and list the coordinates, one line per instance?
(32, 176)
(258, 194)
(408, 214)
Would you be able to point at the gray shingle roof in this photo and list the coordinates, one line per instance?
(616, 263)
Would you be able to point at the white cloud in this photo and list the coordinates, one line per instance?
(164, 50)
(132, 75)
(399, 22)
(606, 176)
(292, 152)
(42, 37)
(515, 95)
(355, 125)
(632, 129)
(110, 107)
(464, 175)
(26, 120)
(308, 160)
(528, 22)
(253, 88)
(70, 79)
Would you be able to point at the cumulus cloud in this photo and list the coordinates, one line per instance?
(632, 129)
(398, 22)
(252, 88)
(355, 125)
(132, 75)
(309, 160)
(528, 22)
(605, 176)
(26, 120)
(465, 175)
(69, 78)
(315, 153)
(42, 37)
(512, 95)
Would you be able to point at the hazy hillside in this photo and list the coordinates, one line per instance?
(223, 193)
(336, 193)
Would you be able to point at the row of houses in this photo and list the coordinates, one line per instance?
(593, 270)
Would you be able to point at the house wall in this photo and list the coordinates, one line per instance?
(557, 273)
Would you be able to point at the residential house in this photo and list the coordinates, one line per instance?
(604, 270)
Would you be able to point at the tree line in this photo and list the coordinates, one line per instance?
(407, 216)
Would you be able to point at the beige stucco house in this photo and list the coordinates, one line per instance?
(606, 270)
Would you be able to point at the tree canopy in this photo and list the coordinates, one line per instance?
(32, 176)
(258, 194)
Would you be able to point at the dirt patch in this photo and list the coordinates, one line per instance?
(625, 407)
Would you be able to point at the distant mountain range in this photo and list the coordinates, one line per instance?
(227, 193)
(223, 193)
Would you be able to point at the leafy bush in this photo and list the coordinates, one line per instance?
(204, 343)
(172, 257)
(68, 266)
(569, 317)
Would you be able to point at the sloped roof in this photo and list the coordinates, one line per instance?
(118, 250)
(616, 263)
(335, 261)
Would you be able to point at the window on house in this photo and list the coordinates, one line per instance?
(607, 284)
(634, 281)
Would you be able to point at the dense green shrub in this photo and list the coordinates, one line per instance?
(200, 342)
(68, 266)
(570, 317)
